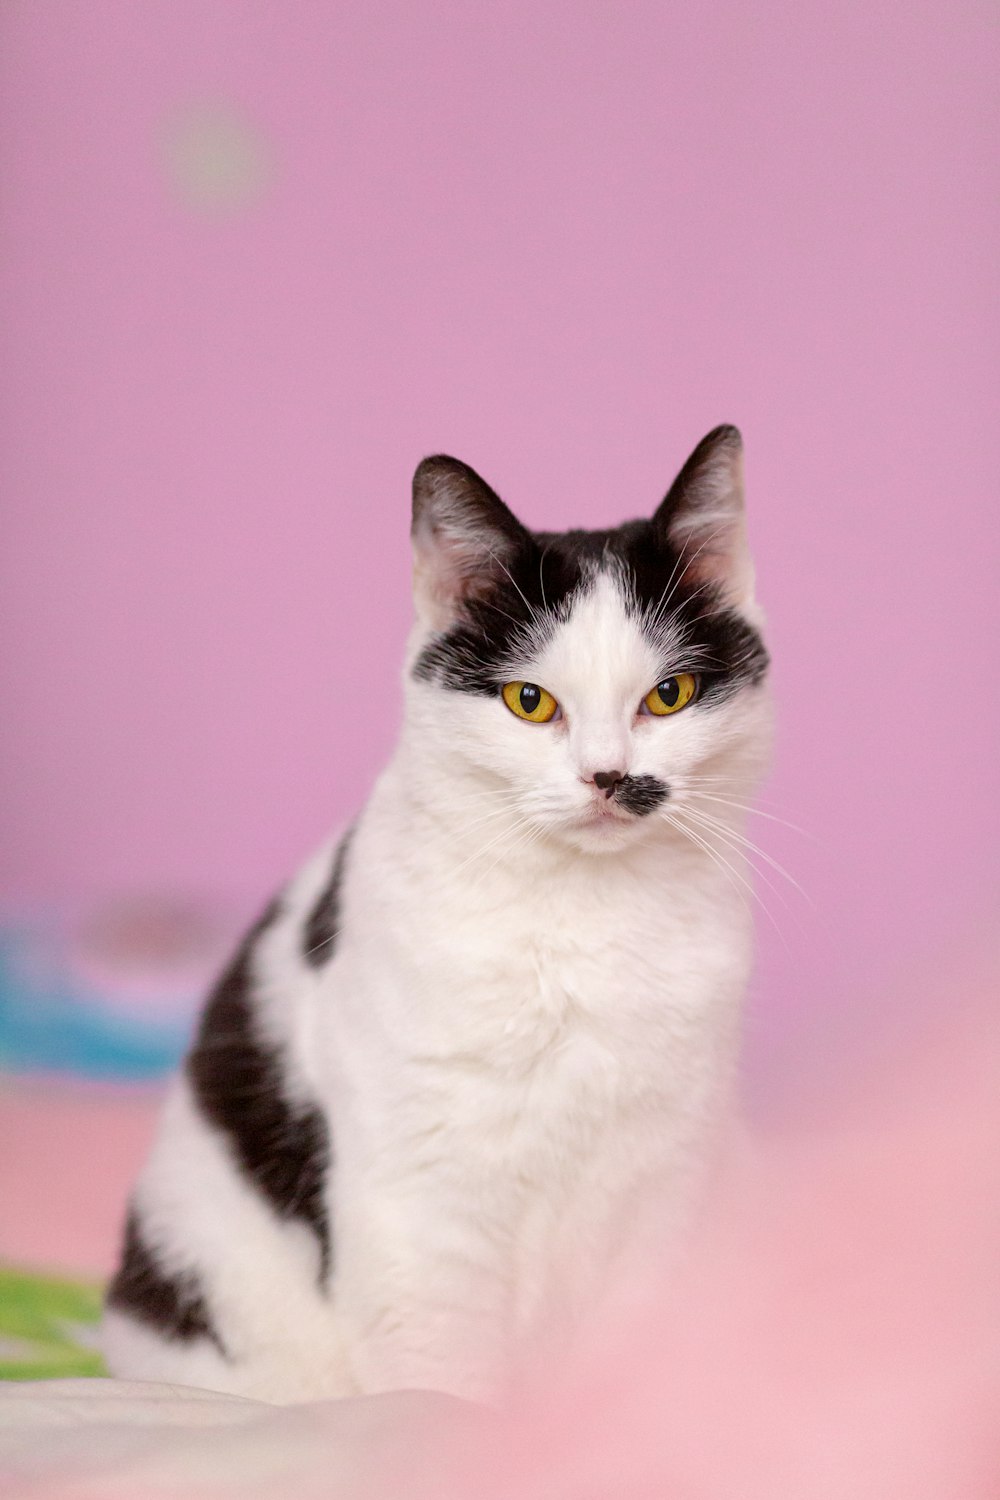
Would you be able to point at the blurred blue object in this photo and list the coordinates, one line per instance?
(54, 1019)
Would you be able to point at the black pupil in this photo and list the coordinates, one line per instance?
(530, 697)
(669, 691)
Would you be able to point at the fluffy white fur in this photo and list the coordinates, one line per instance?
(524, 1042)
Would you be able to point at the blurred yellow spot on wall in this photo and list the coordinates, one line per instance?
(216, 161)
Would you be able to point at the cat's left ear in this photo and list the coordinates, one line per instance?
(702, 518)
(464, 538)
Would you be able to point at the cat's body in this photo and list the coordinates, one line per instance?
(480, 1051)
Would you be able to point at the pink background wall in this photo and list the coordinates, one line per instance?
(259, 257)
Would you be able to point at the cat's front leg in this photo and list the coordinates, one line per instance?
(420, 1312)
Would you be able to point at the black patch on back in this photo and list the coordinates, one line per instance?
(319, 935)
(548, 569)
(237, 1079)
(641, 794)
(171, 1302)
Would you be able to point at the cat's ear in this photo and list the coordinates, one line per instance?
(463, 538)
(702, 518)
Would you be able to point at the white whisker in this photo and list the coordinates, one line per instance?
(747, 807)
(741, 846)
(527, 834)
(523, 822)
(668, 592)
(541, 580)
(531, 611)
(716, 856)
(734, 877)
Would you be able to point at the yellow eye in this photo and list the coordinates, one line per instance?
(672, 694)
(530, 702)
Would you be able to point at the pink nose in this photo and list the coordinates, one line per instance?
(606, 781)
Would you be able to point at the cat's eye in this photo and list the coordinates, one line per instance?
(672, 694)
(529, 701)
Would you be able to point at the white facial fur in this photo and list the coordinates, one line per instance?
(599, 663)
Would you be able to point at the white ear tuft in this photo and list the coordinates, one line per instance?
(463, 537)
(703, 519)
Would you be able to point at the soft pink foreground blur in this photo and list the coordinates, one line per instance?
(258, 259)
(835, 1334)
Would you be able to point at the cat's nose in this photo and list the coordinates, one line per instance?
(606, 781)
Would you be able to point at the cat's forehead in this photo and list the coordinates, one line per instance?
(582, 602)
(601, 637)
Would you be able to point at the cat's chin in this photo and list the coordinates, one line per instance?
(601, 835)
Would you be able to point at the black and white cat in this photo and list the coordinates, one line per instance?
(483, 1043)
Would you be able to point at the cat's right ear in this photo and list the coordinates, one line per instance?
(464, 537)
(703, 518)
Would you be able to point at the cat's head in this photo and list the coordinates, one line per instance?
(593, 680)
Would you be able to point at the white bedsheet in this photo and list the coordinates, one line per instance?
(128, 1440)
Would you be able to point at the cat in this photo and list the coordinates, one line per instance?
(483, 1045)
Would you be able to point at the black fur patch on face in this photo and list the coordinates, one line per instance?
(238, 1083)
(550, 567)
(171, 1302)
(319, 935)
(641, 794)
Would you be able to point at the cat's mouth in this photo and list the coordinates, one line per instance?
(602, 825)
(606, 812)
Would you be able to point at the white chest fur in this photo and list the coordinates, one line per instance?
(515, 1055)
